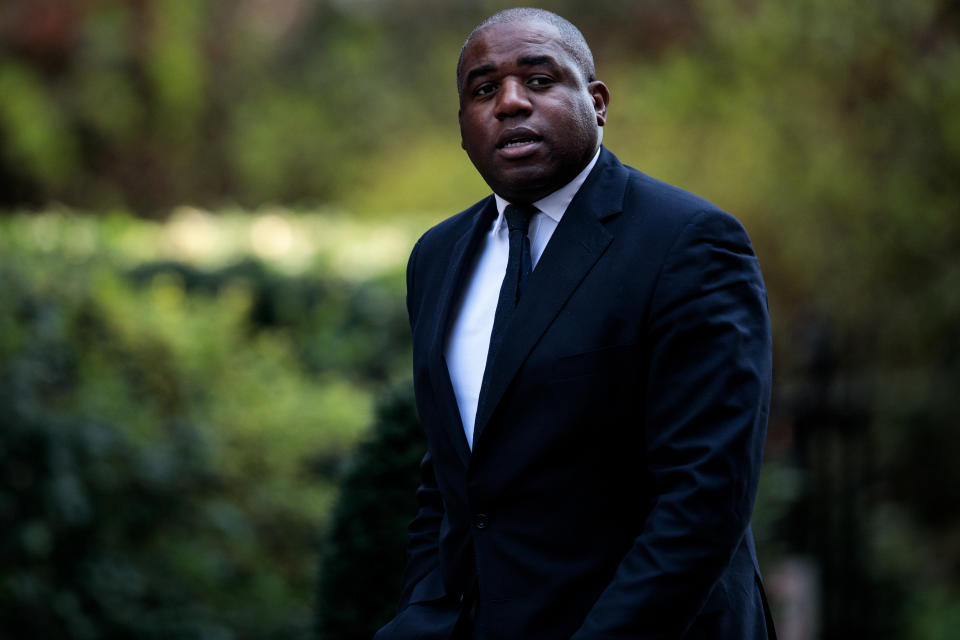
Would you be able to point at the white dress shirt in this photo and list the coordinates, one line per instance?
(469, 337)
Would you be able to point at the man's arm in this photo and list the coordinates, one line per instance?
(424, 532)
(706, 399)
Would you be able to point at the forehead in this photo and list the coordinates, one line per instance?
(501, 44)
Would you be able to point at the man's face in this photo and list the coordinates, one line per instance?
(528, 117)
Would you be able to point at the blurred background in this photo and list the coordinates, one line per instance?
(206, 424)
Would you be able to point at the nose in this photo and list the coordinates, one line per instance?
(512, 100)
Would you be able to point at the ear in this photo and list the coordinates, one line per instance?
(601, 98)
(460, 122)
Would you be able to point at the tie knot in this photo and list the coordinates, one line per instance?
(518, 216)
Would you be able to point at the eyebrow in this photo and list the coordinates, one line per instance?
(525, 61)
(482, 70)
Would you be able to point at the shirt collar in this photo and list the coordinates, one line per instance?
(554, 204)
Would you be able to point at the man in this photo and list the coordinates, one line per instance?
(592, 375)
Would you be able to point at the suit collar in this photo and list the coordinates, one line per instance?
(602, 194)
(480, 217)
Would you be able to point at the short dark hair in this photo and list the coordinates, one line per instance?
(570, 37)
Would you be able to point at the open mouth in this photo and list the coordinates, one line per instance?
(517, 138)
(518, 142)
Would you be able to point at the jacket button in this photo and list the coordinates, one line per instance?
(481, 521)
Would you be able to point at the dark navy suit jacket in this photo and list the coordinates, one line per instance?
(618, 441)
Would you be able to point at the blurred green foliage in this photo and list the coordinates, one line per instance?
(179, 398)
(362, 562)
(173, 433)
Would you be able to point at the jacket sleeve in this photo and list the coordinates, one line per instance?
(706, 405)
(423, 533)
(423, 554)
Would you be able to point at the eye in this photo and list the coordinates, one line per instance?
(540, 81)
(484, 89)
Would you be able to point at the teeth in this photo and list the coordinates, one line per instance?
(517, 143)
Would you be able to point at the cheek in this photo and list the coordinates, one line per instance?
(472, 131)
(468, 137)
(574, 116)
(584, 124)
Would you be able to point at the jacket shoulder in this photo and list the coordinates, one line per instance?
(671, 208)
(454, 226)
(659, 196)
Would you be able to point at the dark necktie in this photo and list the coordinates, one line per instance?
(519, 266)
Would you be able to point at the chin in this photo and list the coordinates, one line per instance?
(522, 192)
(529, 185)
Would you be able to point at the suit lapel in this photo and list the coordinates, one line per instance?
(576, 245)
(461, 258)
